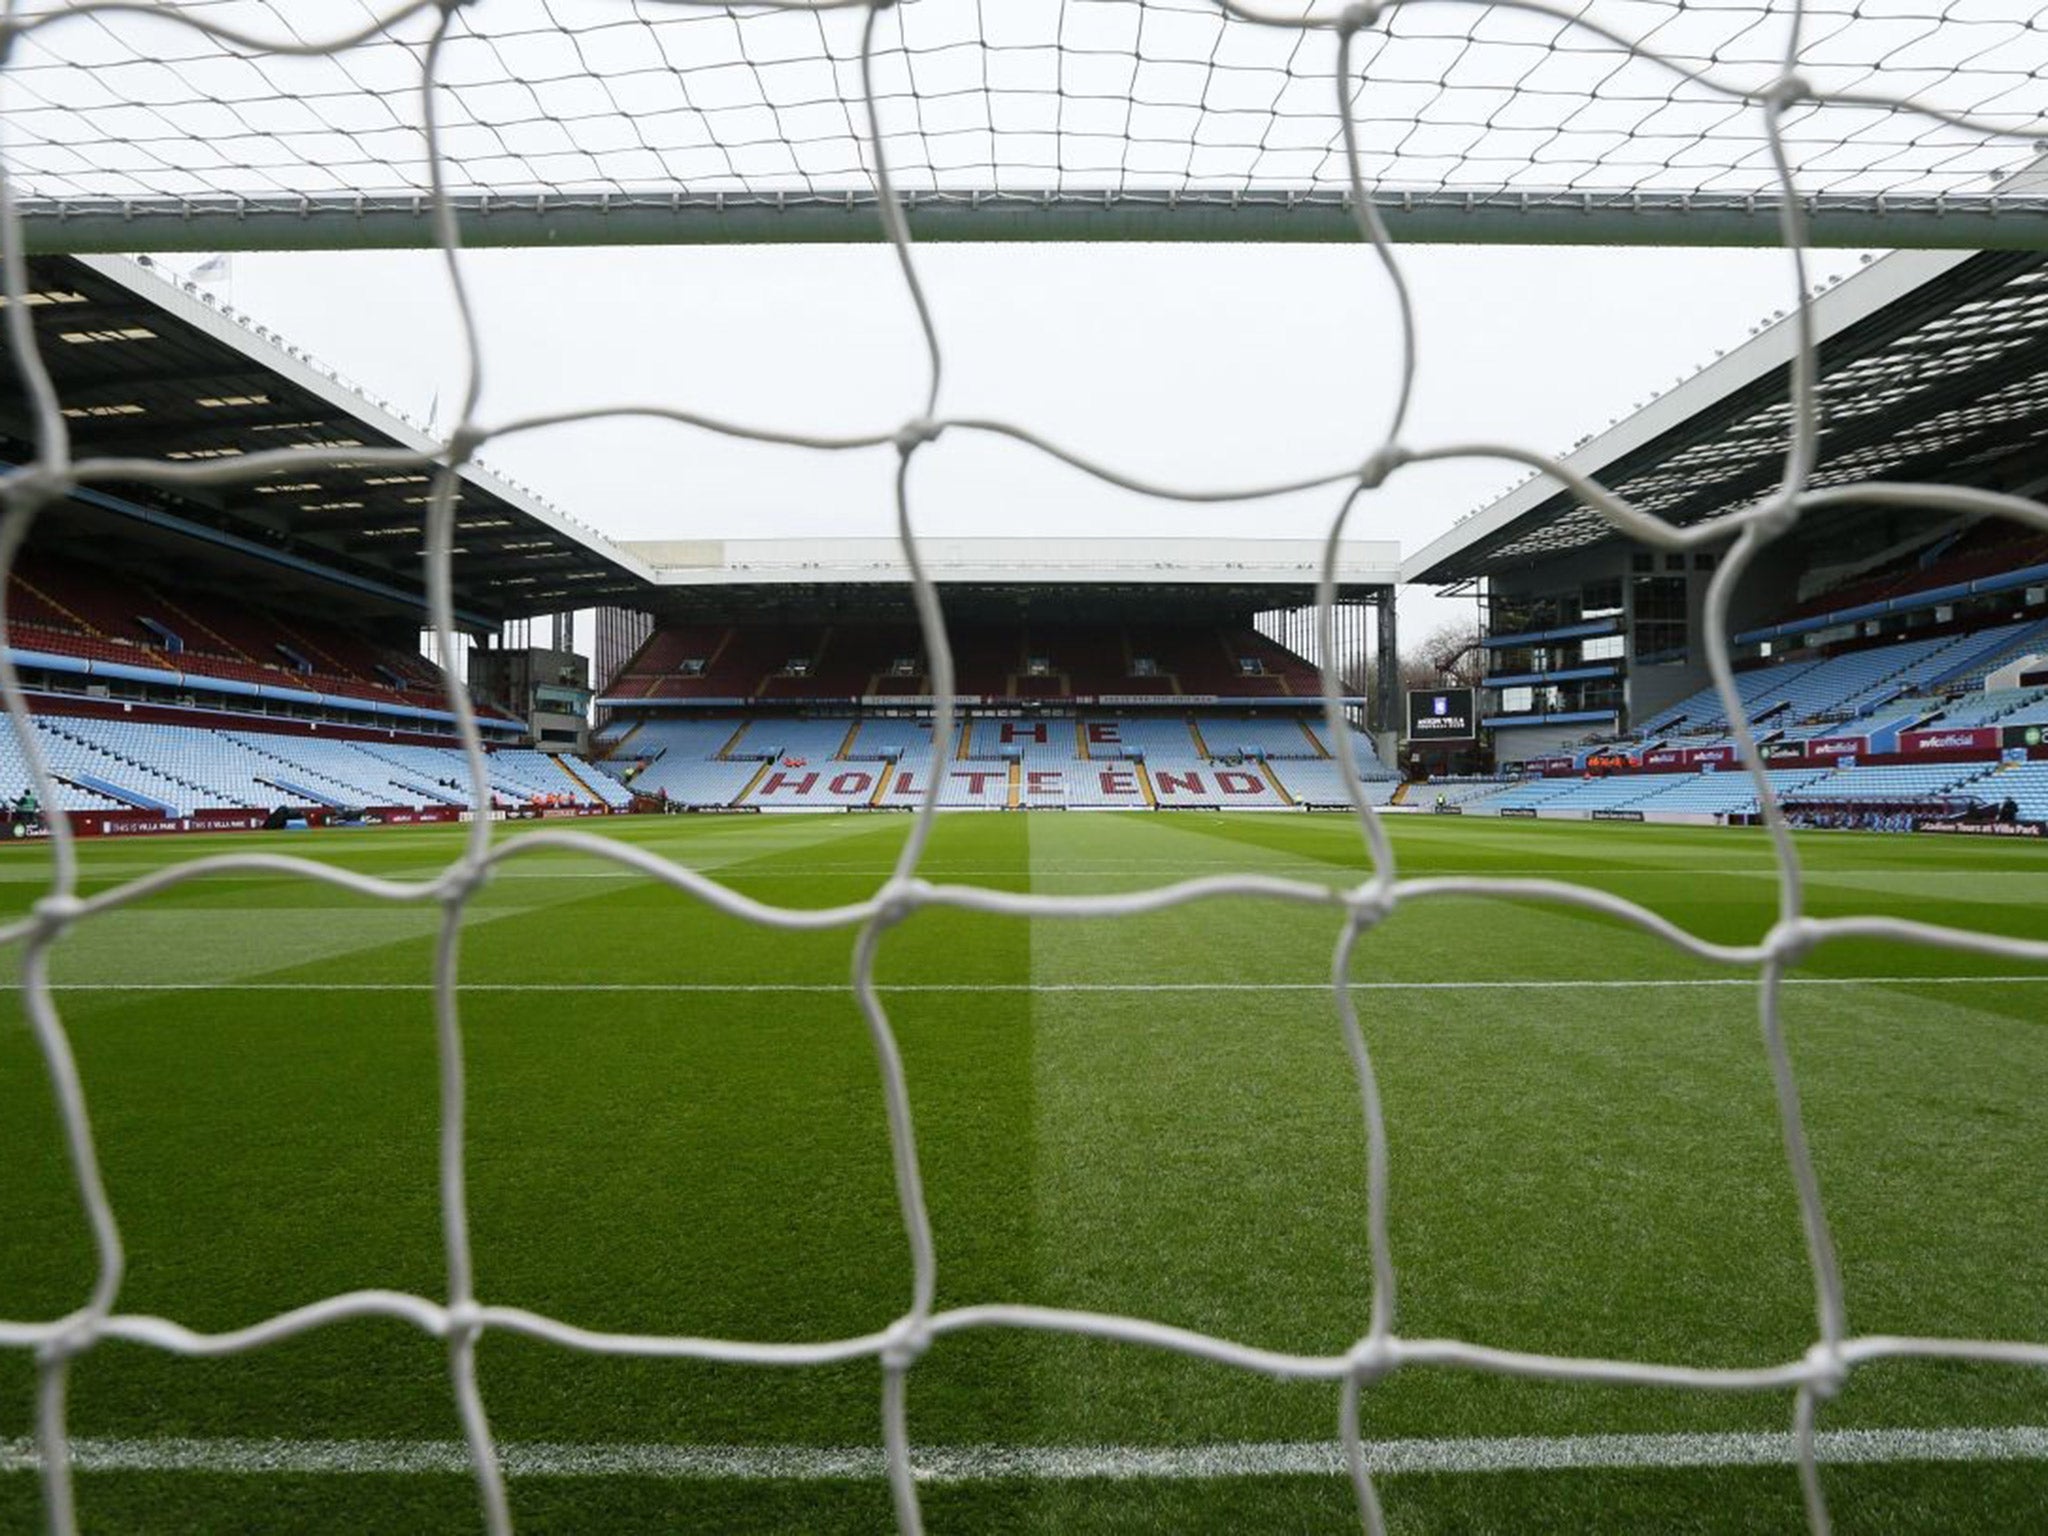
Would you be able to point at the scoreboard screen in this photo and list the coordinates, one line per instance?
(1442, 714)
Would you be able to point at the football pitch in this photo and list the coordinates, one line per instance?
(676, 1127)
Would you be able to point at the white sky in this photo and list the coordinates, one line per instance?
(1206, 365)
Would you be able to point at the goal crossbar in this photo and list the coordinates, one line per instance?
(1278, 215)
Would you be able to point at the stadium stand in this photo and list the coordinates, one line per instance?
(174, 770)
(1000, 761)
(848, 661)
(1320, 782)
(1895, 782)
(1993, 706)
(64, 607)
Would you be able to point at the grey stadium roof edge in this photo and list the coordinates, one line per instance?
(148, 367)
(1932, 365)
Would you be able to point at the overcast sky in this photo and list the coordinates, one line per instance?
(1205, 365)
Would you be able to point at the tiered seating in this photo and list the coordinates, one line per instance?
(793, 762)
(1368, 760)
(1112, 785)
(341, 773)
(1260, 736)
(819, 785)
(1895, 716)
(599, 785)
(1457, 791)
(221, 772)
(663, 653)
(1320, 781)
(2002, 706)
(892, 738)
(14, 778)
(691, 736)
(2032, 713)
(1140, 736)
(1990, 548)
(1836, 688)
(2026, 784)
(1192, 782)
(65, 608)
(985, 660)
(851, 660)
(1045, 741)
(1908, 781)
(1702, 711)
(811, 741)
(1529, 794)
(697, 781)
(1838, 685)
(2007, 643)
(972, 782)
(112, 772)
(1093, 661)
(1730, 792)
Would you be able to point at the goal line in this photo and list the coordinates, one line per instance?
(253, 1456)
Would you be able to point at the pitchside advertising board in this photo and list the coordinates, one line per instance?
(1441, 715)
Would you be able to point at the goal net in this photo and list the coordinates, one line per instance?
(144, 126)
(233, 124)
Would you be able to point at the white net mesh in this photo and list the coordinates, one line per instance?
(1767, 72)
(146, 109)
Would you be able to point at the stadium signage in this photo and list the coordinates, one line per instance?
(1519, 810)
(1974, 739)
(1605, 814)
(1663, 756)
(1835, 746)
(1985, 828)
(1710, 754)
(1441, 714)
(2022, 736)
(119, 825)
(1609, 760)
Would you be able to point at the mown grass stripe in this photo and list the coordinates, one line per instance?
(1056, 1463)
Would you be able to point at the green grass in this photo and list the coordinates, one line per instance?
(1585, 1171)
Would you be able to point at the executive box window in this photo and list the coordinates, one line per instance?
(1600, 599)
(1659, 619)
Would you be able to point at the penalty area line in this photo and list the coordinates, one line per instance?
(995, 1463)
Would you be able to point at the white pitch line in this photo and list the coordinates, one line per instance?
(1748, 983)
(993, 1463)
